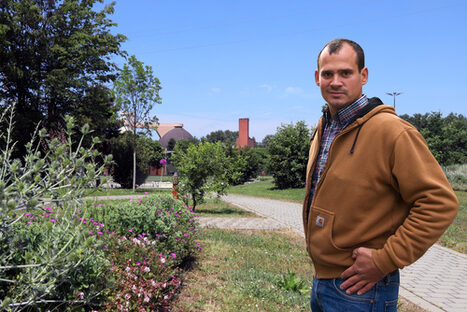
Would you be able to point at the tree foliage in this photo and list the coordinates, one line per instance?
(244, 164)
(201, 169)
(136, 91)
(225, 136)
(149, 152)
(446, 137)
(288, 155)
(55, 56)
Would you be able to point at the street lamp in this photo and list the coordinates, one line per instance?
(394, 94)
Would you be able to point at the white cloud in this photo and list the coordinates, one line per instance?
(293, 90)
(266, 86)
(216, 90)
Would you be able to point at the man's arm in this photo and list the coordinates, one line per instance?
(422, 183)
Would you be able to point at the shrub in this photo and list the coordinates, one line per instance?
(144, 278)
(45, 257)
(202, 170)
(457, 176)
(146, 241)
(288, 155)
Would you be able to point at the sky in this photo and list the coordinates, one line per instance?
(219, 61)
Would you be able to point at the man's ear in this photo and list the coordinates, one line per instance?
(317, 77)
(364, 75)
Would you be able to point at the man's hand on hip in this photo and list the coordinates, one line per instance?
(363, 274)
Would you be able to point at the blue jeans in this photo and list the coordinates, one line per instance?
(326, 296)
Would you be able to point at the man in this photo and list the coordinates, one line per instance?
(376, 198)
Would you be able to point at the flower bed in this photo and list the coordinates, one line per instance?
(124, 257)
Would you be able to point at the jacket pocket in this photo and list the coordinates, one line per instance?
(321, 242)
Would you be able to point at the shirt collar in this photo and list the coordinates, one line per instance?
(344, 115)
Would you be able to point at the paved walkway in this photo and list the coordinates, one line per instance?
(436, 282)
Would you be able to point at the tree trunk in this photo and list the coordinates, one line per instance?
(134, 167)
(134, 146)
(194, 202)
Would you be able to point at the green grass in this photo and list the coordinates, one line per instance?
(218, 208)
(267, 189)
(242, 271)
(455, 236)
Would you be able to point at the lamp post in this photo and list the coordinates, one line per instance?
(394, 94)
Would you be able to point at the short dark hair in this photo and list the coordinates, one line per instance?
(335, 46)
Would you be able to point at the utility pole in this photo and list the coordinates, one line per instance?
(394, 94)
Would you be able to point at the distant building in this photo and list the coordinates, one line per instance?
(173, 131)
(166, 132)
(243, 134)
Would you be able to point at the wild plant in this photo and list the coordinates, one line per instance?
(44, 256)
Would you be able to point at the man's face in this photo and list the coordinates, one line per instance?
(339, 79)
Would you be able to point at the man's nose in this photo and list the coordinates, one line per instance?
(336, 81)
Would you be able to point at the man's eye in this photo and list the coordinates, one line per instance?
(346, 73)
(326, 75)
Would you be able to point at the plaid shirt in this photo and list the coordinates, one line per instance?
(333, 127)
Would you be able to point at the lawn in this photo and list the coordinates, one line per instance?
(245, 271)
(218, 208)
(455, 236)
(267, 189)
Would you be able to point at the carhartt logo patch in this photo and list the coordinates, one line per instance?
(319, 221)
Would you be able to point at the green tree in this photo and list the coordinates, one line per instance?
(227, 136)
(288, 155)
(245, 164)
(55, 55)
(446, 137)
(149, 152)
(183, 144)
(201, 169)
(136, 90)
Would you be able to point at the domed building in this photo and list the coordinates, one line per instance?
(174, 132)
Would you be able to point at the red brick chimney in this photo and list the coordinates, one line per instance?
(243, 134)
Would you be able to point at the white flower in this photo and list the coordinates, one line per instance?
(163, 260)
(146, 269)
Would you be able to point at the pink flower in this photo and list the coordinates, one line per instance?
(90, 232)
(174, 255)
(46, 215)
(29, 222)
(27, 215)
(52, 220)
(100, 233)
(145, 193)
(100, 205)
(130, 230)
